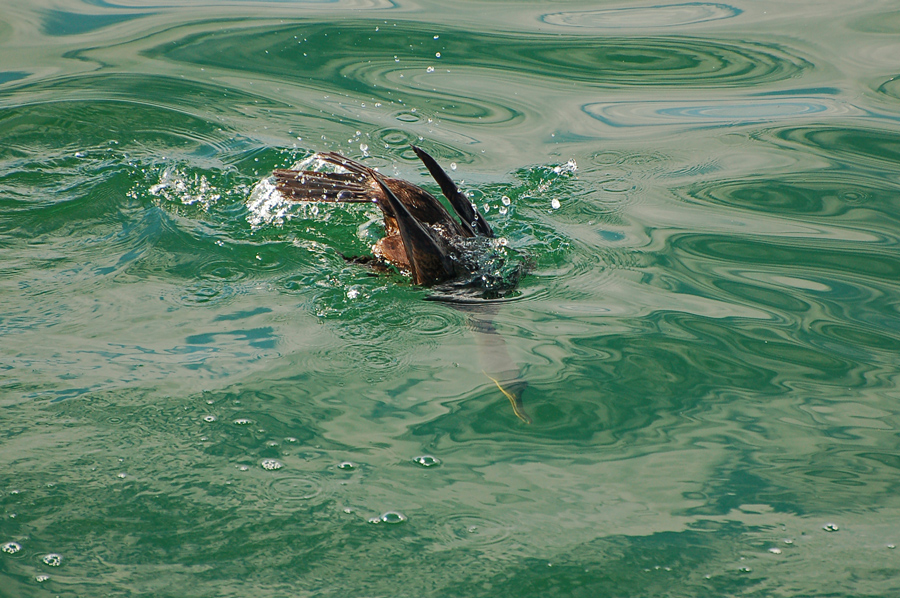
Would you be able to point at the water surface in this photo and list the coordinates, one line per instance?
(200, 397)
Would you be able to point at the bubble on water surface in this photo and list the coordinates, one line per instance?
(243, 422)
(52, 560)
(209, 418)
(41, 578)
(347, 465)
(271, 464)
(11, 548)
(775, 550)
(389, 517)
(429, 69)
(427, 461)
(830, 527)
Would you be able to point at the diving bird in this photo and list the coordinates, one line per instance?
(421, 238)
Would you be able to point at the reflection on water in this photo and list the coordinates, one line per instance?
(201, 397)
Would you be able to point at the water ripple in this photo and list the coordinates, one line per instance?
(716, 114)
(645, 17)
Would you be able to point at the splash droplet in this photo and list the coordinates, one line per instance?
(554, 203)
(429, 69)
(505, 200)
(437, 54)
(452, 165)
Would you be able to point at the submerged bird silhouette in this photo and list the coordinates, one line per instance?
(422, 238)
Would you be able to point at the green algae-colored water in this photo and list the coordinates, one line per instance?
(200, 397)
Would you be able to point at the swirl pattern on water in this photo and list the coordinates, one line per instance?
(720, 114)
(645, 17)
(604, 61)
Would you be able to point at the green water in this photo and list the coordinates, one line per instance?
(199, 397)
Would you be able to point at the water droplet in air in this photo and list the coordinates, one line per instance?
(437, 36)
(52, 560)
(452, 165)
(437, 54)
(554, 203)
(427, 461)
(11, 548)
(364, 149)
